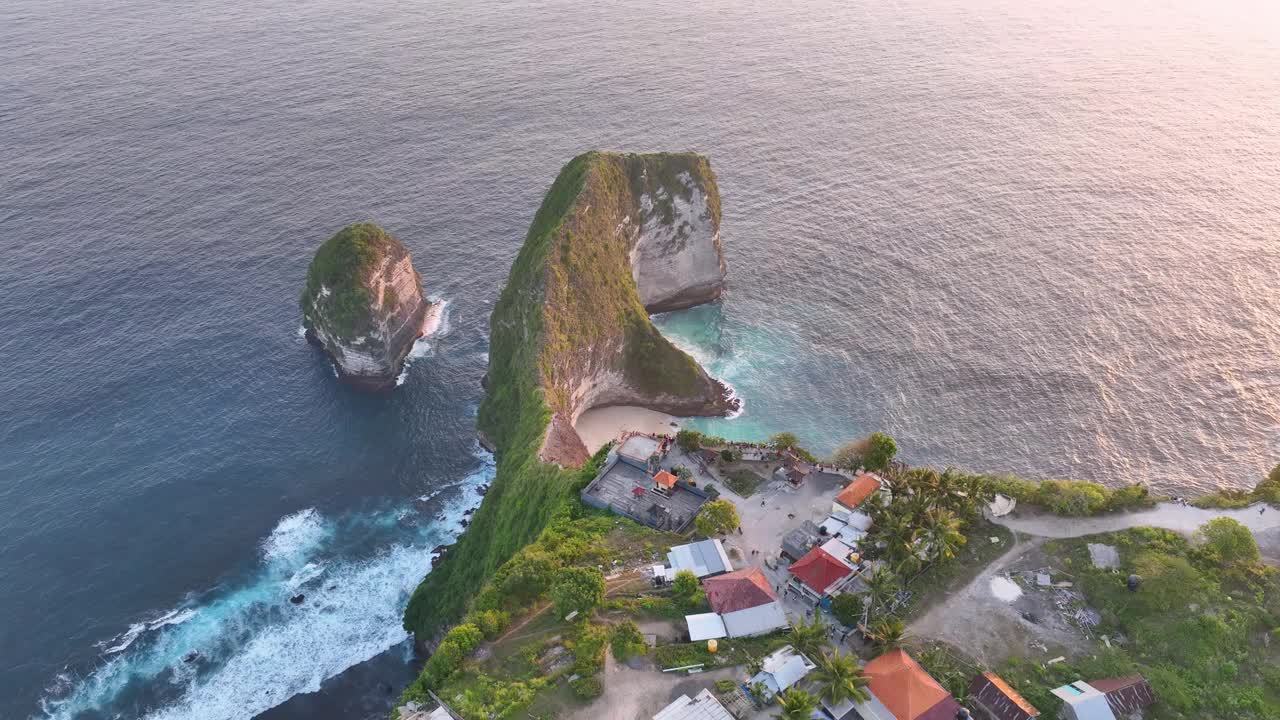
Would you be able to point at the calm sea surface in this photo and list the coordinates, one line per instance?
(1031, 237)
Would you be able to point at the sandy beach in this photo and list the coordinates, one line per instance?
(600, 425)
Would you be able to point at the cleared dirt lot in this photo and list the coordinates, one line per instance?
(991, 630)
(638, 690)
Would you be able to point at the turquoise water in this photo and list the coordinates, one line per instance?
(1028, 237)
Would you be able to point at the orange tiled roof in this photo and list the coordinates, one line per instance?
(906, 690)
(738, 590)
(858, 491)
(665, 479)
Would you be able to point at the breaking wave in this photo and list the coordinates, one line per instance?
(241, 649)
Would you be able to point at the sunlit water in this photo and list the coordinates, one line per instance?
(1035, 237)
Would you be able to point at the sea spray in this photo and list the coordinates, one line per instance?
(243, 648)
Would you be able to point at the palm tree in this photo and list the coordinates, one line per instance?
(809, 638)
(797, 704)
(942, 533)
(882, 586)
(888, 634)
(840, 678)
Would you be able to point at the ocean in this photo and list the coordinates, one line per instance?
(1038, 238)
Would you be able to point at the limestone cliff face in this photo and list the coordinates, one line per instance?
(617, 237)
(676, 259)
(363, 304)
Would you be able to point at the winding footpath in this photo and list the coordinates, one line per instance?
(1170, 516)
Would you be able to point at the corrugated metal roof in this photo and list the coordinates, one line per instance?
(755, 621)
(705, 626)
(1000, 699)
(702, 707)
(706, 557)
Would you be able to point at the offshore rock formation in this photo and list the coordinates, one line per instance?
(363, 305)
(619, 236)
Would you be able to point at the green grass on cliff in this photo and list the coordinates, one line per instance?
(340, 265)
(570, 286)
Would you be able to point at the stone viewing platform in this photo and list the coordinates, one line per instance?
(637, 482)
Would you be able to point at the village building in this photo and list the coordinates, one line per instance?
(900, 690)
(703, 706)
(632, 485)
(823, 571)
(848, 501)
(705, 558)
(1082, 701)
(746, 603)
(799, 541)
(638, 451)
(996, 700)
(1105, 699)
(781, 669)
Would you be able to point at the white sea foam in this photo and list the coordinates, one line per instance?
(434, 325)
(255, 650)
(173, 617)
(124, 640)
(295, 537)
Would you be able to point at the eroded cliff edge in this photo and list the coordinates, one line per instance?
(626, 235)
(615, 237)
(363, 305)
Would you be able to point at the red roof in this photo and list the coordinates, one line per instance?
(738, 590)
(820, 569)
(665, 479)
(1125, 694)
(906, 690)
(858, 491)
(999, 699)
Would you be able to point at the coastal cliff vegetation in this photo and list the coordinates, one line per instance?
(335, 279)
(570, 307)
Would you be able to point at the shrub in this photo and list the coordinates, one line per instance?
(626, 640)
(1225, 542)
(717, 516)
(1072, 497)
(689, 440)
(490, 622)
(730, 455)
(847, 608)
(456, 645)
(528, 574)
(1129, 497)
(685, 585)
(725, 686)
(1269, 489)
(588, 649)
(577, 588)
(587, 688)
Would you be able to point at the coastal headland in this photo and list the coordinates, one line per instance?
(617, 236)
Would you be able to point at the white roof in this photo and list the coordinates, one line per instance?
(859, 520)
(839, 550)
(755, 621)
(705, 626)
(639, 447)
(782, 668)
(703, 707)
(833, 525)
(439, 714)
(1085, 701)
(706, 557)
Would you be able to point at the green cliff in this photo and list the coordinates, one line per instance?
(571, 331)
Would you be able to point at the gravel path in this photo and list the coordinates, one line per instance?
(1171, 516)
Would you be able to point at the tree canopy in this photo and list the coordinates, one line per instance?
(717, 516)
(577, 588)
